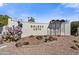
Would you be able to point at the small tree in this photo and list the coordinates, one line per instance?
(4, 20)
(74, 26)
(31, 19)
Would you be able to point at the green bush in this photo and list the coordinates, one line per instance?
(3, 20)
(74, 26)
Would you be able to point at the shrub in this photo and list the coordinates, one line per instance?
(18, 44)
(39, 37)
(75, 41)
(46, 40)
(52, 38)
(77, 45)
(74, 47)
(31, 36)
(58, 35)
(45, 35)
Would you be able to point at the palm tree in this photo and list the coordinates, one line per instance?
(58, 26)
(50, 27)
(63, 21)
(54, 25)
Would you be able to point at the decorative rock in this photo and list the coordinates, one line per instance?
(18, 44)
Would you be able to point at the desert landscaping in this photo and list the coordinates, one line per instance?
(38, 32)
(38, 45)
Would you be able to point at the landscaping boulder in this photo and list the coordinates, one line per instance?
(31, 36)
(39, 37)
(25, 43)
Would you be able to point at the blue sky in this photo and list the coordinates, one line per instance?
(42, 12)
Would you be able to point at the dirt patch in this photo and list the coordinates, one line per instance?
(63, 45)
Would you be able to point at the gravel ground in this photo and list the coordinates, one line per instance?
(61, 46)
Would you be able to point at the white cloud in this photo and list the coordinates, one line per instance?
(1, 4)
(71, 5)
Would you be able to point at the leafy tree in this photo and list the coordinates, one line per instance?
(74, 26)
(4, 20)
(31, 19)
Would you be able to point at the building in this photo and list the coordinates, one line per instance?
(33, 28)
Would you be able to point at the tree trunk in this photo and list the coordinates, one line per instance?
(55, 29)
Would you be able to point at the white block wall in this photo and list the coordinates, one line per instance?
(68, 28)
(27, 30)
